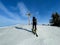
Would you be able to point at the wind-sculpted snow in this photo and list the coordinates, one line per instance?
(22, 35)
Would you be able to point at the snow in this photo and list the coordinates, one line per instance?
(22, 35)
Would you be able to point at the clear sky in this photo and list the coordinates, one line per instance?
(14, 11)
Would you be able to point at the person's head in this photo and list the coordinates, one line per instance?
(33, 17)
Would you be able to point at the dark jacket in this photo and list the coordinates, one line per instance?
(34, 21)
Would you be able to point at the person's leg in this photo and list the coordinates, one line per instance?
(35, 28)
(32, 27)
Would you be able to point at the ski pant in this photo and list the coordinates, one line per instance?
(34, 27)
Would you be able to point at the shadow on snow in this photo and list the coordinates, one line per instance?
(23, 29)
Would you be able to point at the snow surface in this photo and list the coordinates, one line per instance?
(22, 35)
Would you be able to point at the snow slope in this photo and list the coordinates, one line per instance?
(22, 35)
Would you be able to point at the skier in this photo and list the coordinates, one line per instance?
(34, 23)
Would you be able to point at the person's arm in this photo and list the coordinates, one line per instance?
(36, 21)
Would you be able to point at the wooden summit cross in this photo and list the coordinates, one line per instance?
(28, 18)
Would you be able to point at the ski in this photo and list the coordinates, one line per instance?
(35, 33)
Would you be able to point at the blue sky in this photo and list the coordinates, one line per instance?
(14, 11)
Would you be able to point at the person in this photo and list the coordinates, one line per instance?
(34, 23)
